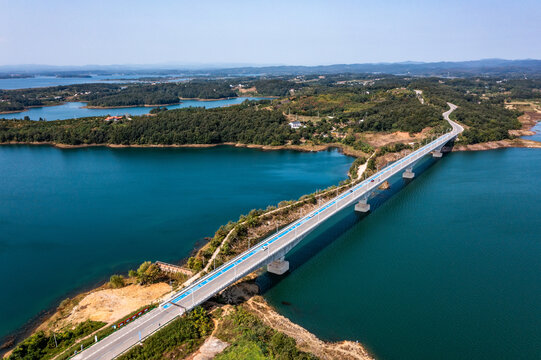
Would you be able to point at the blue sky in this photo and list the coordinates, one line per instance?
(311, 32)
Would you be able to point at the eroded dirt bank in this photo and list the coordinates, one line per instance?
(492, 145)
(306, 341)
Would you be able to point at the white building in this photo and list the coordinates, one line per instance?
(295, 124)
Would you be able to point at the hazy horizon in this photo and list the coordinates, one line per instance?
(244, 33)
(202, 65)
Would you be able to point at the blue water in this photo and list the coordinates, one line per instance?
(71, 218)
(45, 81)
(537, 135)
(447, 267)
(72, 110)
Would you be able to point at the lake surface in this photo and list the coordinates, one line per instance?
(71, 218)
(45, 81)
(449, 267)
(71, 110)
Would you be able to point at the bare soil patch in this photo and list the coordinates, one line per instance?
(251, 90)
(107, 305)
(519, 143)
(210, 348)
(381, 139)
(525, 106)
(381, 161)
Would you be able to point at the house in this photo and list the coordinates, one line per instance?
(295, 124)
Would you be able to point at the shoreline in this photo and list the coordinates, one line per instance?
(305, 339)
(301, 148)
(218, 99)
(12, 112)
(10, 340)
(123, 106)
(528, 123)
(33, 107)
(346, 150)
(96, 107)
(501, 144)
(176, 103)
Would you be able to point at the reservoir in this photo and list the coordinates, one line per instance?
(46, 81)
(446, 267)
(71, 110)
(71, 218)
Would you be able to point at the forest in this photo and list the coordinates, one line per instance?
(109, 95)
(253, 122)
(377, 109)
(139, 94)
(159, 94)
(480, 104)
(239, 124)
(335, 108)
(274, 87)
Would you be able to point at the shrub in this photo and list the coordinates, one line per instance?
(116, 281)
(148, 273)
(195, 264)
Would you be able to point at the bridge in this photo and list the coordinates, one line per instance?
(270, 252)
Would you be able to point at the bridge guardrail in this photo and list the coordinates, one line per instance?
(409, 158)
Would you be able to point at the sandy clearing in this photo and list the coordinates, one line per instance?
(379, 139)
(112, 304)
(210, 348)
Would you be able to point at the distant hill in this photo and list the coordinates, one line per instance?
(486, 67)
(463, 68)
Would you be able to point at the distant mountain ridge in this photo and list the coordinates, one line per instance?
(485, 67)
(461, 68)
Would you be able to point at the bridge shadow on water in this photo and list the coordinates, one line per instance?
(338, 225)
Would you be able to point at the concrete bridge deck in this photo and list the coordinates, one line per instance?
(275, 247)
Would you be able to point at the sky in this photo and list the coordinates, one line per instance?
(272, 32)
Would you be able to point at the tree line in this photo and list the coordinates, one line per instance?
(236, 124)
(162, 93)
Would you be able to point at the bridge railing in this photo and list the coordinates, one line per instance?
(386, 172)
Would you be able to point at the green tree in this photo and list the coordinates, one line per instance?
(283, 347)
(116, 281)
(201, 319)
(148, 273)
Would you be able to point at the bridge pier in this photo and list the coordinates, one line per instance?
(446, 149)
(278, 267)
(408, 174)
(362, 206)
(437, 153)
